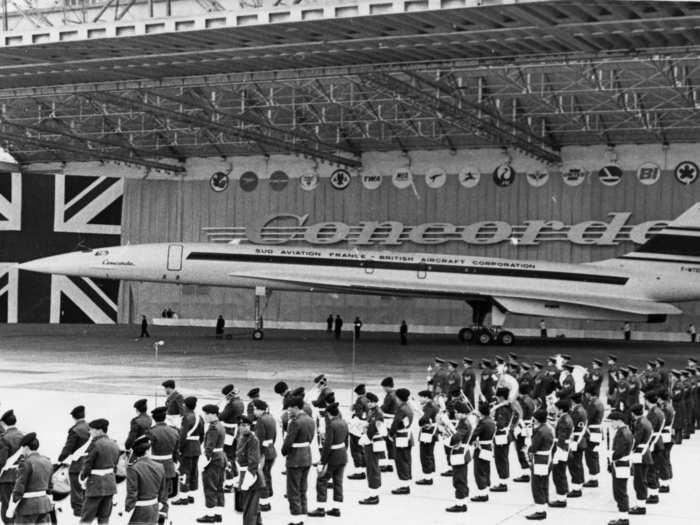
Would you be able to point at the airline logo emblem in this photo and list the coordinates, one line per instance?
(218, 181)
(574, 175)
(340, 179)
(309, 182)
(610, 175)
(11, 201)
(504, 175)
(88, 204)
(248, 181)
(279, 180)
(649, 173)
(371, 181)
(686, 172)
(469, 177)
(537, 179)
(402, 178)
(435, 178)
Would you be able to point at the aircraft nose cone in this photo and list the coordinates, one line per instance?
(57, 264)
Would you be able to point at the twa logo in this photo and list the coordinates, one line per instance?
(10, 201)
(88, 204)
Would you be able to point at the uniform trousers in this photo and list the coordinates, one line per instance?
(390, 449)
(521, 451)
(653, 470)
(231, 467)
(33, 519)
(99, 507)
(77, 494)
(5, 494)
(500, 456)
(251, 507)
(482, 473)
(213, 483)
(639, 474)
(402, 457)
(374, 475)
(540, 489)
(575, 464)
(561, 483)
(357, 452)
(144, 515)
(266, 491)
(334, 473)
(427, 457)
(665, 468)
(459, 480)
(620, 493)
(189, 473)
(297, 485)
(448, 453)
(592, 459)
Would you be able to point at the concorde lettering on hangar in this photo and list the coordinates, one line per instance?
(276, 229)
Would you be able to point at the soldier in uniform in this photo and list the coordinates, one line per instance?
(483, 453)
(400, 433)
(540, 451)
(504, 417)
(232, 410)
(526, 380)
(72, 455)
(566, 382)
(165, 441)
(140, 424)
(266, 431)
(678, 407)
(621, 450)
(146, 486)
(563, 432)
(175, 404)
(214, 470)
(334, 457)
(613, 378)
(487, 382)
(357, 421)
(579, 443)
(453, 378)
(633, 389)
(665, 470)
(373, 438)
(595, 411)
(641, 458)
(97, 474)
(427, 436)
(297, 449)
(389, 407)
(469, 381)
(253, 394)
(594, 378)
(248, 457)
(656, 447)
(30, 501)
(688, 407)
(539, 384)
(439, 379)
(523, 432)
(190, 447)
(460, 457)
(10, 452)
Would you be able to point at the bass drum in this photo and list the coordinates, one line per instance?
(579, 375)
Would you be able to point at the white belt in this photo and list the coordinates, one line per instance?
(388, 416)
(161, 457)
(301, 445)
(267, 443)
(543, 452)
(10, 467)
(337, 446)
(35, 494)
(146, 502)
(218, 449)
(101, 471)
(229, 425)
(193, 438)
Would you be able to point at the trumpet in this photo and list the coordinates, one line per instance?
(445, 426)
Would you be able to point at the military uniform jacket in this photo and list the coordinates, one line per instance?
(266, 432)
(401, 426)
(301, 431)
(564, 430)
(440, 380)
(145, 480)
(139, 426)
(460, 439)
(214, 443)
(9, 445)
(248, 457)
(453, 380)
(567, 387)
(542, 439)
(594, 379)
(642, 431)
(175, 404)
(78, 435)
(375, 419)
(360, 408)
(333, 454)
(390, 404)
(526, 383)
(191, 435)
(102, 456)
(165, 441)
(33, 475)
(632, 391)
(487, 384)
(503, 416)
(657, 419)
(469, 383)
(427, 420)
(670, 414)
(612, 380)
(321, 401)
(527, 405)
(230, 414)
(622, 443)
(579, 416)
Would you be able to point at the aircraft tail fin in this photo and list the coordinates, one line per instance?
(678, 242)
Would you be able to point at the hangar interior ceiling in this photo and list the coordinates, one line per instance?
(532, 76)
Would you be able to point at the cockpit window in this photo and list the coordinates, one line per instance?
(101, 253)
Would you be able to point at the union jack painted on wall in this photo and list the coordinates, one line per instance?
(42, 215)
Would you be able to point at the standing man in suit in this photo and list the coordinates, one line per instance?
(297, 449)
(73, 453)
(337, 326)
(334, 457)
(97, 474)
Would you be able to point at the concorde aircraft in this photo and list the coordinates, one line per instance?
(638, 286)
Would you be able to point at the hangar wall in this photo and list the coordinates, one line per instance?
(162, 209)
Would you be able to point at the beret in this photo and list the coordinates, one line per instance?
(158, 413)
(637, 409)
(281, 388)
(191, 402)
(299, 392)
(169, 383)
(540, 415)
(259, 404)
(461, 407)
(372, 398)
(598, 362)
(439, 361)
(210, 409)
(333, 409)
(99, 424)
(226, 390)
(141, 405)
(563, 404)
(360, 390)
(78, 412)
(293, 402)
(254, 392)
(452, 363)
(319, 378)
(616, 415)
(403, 394)
(27, 439)
(425, 393)
(468, 360)
(387, 382)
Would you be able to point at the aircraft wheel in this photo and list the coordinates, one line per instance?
(484, 337)
(257, 335)
(466, 335)
(506, 338)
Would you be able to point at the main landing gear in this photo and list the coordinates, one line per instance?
(260, 293)
(483, 335)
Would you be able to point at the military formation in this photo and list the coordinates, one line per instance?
(562, 427)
